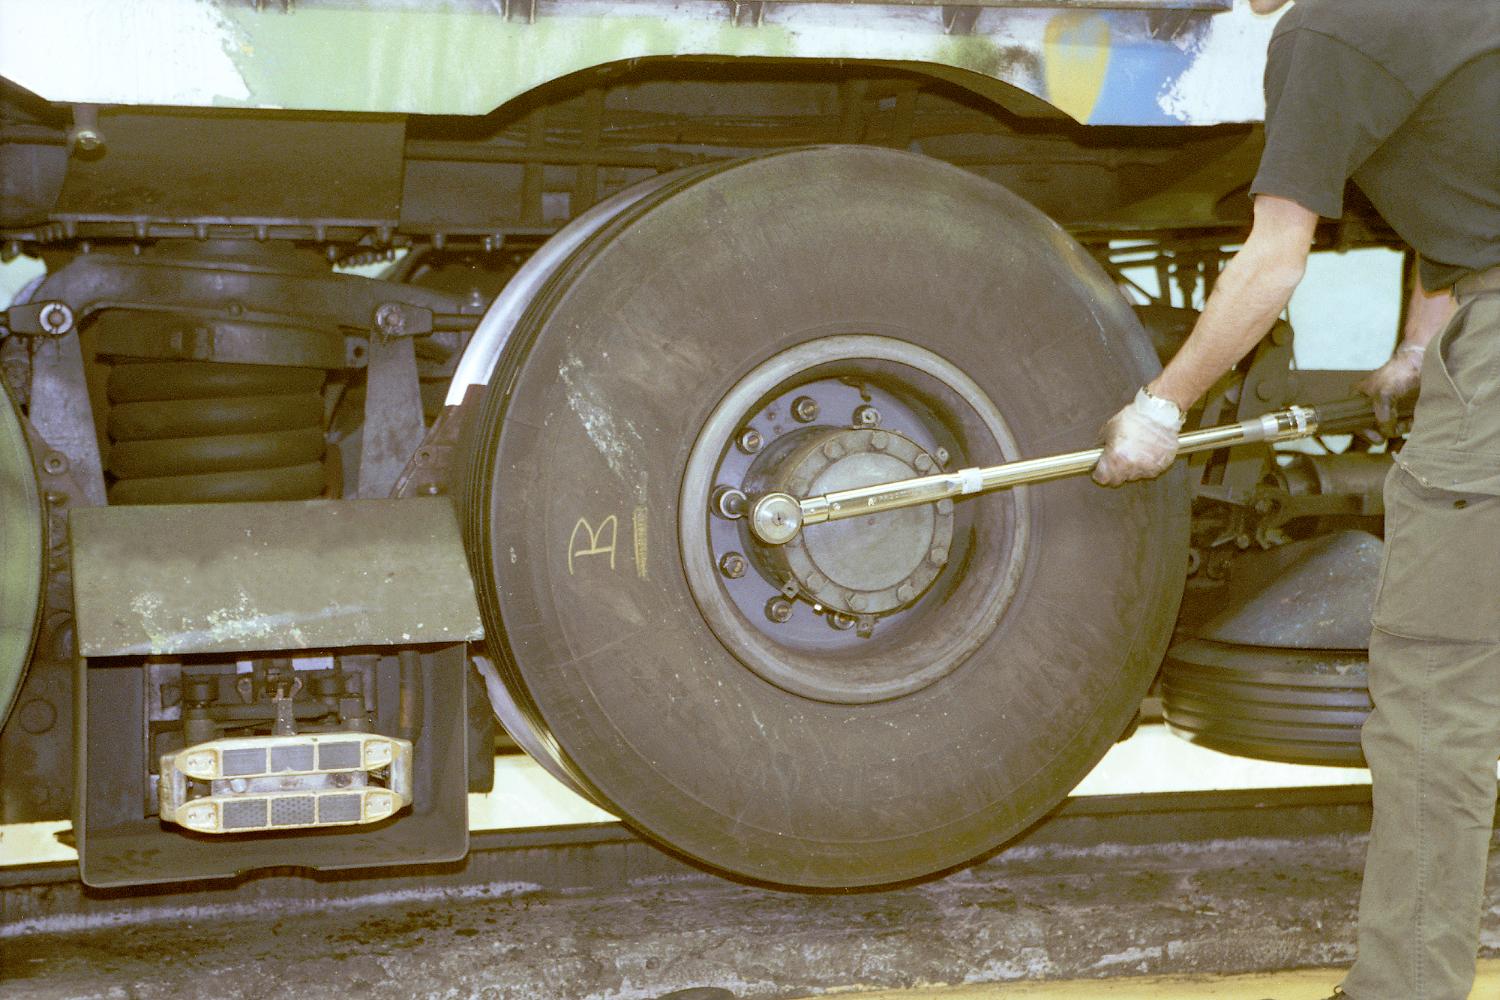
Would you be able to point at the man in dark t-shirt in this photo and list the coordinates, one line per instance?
(1402, 97)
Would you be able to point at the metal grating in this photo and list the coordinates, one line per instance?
(246, 760)
(298, 757)
(339, 808)
(293, 810)
(244, 814)
(342, 756)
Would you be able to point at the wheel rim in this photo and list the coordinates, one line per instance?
(21, 552)
(871, 608)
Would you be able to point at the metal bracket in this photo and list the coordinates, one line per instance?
(518, 10)
(747, 14)
(39, 319)
(959, 20)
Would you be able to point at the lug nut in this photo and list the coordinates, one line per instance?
(728, 502)
(924, 462)
(905, 593)
(732, 565)
(858, 602)
(749, 441)
(938, 555)
(840, 622)
(866, 416)
(879, 440)
(779, 610)
(942, 456)
(804, 409)
(833, 449)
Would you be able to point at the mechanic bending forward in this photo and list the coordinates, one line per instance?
(1404, 97)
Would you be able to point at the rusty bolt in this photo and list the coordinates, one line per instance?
(805, 409)
(749, 441)
(55, 463)
(942, 456)
(732, 565)
(866, 416)
(840, 622)
(779, 610)
(389, 319)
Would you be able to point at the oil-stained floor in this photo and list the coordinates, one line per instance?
(1030, 914)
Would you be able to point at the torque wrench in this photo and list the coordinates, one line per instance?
(776, 518)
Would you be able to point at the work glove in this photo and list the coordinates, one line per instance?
(1140, 442)
(1387, 386)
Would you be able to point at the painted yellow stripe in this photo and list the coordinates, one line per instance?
(1300, 984)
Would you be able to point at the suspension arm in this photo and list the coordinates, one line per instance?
(776, 518)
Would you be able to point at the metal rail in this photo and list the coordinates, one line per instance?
(47, 898)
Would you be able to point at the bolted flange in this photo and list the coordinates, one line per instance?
(858, 567)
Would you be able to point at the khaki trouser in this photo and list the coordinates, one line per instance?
(1434, 736)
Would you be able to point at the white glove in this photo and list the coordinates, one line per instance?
(1140, 442)
(1394, 381)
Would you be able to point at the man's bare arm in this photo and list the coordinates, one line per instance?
(1141, 441)
(1247, 299)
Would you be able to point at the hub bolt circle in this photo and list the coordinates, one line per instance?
(749, 441)
(779, 610)
(732, 565)
(805, 409)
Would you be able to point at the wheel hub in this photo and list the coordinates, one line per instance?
(867, 608)
(865, 565)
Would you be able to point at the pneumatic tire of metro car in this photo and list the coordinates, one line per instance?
(887, 697)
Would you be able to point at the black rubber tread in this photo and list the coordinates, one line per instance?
(594, 408)
(1292, 705)
(298, 482)
(221, 453)
(179, 418)
(133, 382)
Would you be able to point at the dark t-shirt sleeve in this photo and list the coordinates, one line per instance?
(1328, 107)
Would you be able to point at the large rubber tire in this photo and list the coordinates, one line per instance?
(22, 552)
(1299, 706)
(594, 410)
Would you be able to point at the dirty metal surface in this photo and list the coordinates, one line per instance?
(1043, 909)
(1312, 594)
(214, 578)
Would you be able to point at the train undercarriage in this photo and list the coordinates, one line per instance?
(319, 421)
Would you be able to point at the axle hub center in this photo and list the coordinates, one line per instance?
(863, 565)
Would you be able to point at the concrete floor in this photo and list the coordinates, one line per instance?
(999, 927)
